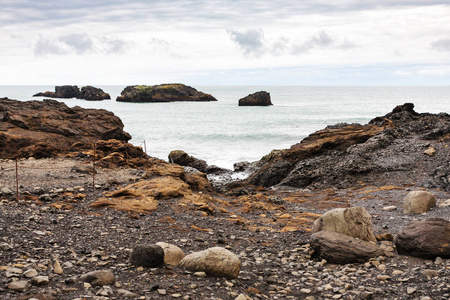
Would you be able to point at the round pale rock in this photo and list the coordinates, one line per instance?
(425, 239)
(216, 261)
(418, 202)
(99, 277)
(172, 254)
(149, 256)
(355, 222)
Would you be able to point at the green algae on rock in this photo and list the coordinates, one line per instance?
(173, 92)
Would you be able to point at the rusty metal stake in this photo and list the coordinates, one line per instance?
(17, 178)
(93, 167)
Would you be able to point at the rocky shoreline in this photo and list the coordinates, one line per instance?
(67, 231)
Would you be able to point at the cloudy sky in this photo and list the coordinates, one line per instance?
(219, 42)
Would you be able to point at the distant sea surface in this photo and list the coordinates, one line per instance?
(223, 133)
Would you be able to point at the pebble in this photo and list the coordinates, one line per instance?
(19, 286)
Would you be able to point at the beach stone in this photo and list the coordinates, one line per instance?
(355, 222)
(216, 261)
(172, 254)
(6, 191)
(30, 273)
(19, 285)
(99, 277)
(425, 239)
(57, 269)
(339, 248)
(149, 256)
(40, 280)
(430, 151)
(241, 297)
(418, 202)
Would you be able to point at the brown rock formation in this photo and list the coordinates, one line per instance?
(163, 93)
(388, 150)
(52, 123)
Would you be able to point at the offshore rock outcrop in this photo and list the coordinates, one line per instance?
(256, 99)
(54, 126)
(388, 150)
(174, 92)
(72, 91)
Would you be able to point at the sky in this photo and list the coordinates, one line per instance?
(217, 42)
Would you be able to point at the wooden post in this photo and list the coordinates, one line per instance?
(17, 177)
(147, 164)
(93, 167)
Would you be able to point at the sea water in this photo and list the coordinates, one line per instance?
(223, 133)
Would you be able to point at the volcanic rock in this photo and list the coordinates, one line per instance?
(388, 150)
(65, 91)
(183, 159)
(72, 91)
(52, 123)
(92, 93)
(256, 99)
(342, 249)
(418, 202)
(216, 261)
(355, 222)
(149, 256)
(163, 93)
(425, 239)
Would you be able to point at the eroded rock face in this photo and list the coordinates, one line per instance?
(425, 239)
(216, 261)
(418, 202)
(183, 159)
(355, 222)
(256, 99)
(52, 123)
(163, 93)
(388, 150)
(342, 249)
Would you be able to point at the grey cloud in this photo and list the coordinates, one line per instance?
(320, 40)
(46, 47)
(441, 45)
(114, 46)
(81, 43)
(250, 41)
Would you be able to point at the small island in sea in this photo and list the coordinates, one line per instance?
(173, 92)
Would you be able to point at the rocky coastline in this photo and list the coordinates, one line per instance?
(72, 91)
(79, 232)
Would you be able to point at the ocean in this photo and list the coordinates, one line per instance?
(222, 133)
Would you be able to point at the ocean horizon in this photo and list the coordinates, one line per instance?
(222, 133)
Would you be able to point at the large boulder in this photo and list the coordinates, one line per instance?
(92, 93)
(149, 256)
(342, 249)
(183, 159)
(172, 254)
(418, 202)
(425, 239)
(53, 123)
(355, 222)
(163, 93)
(216, 261)
(99, 277)
(256, 99)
